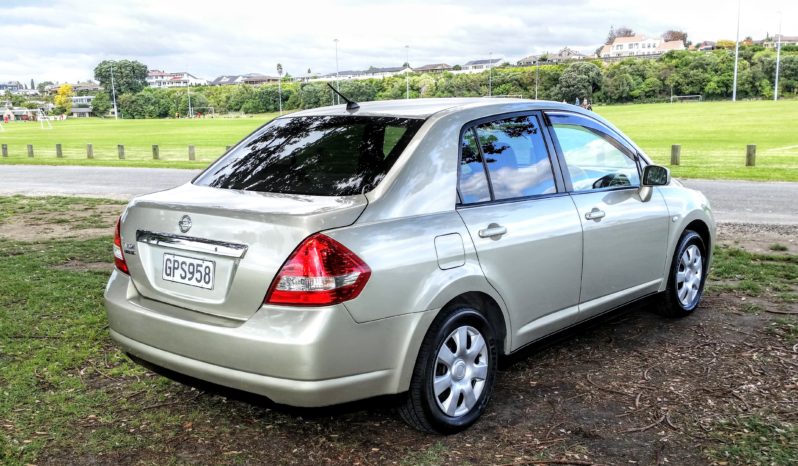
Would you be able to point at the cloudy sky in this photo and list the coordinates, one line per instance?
(62, 40)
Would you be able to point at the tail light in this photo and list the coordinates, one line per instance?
(119, 255)
(321, 271)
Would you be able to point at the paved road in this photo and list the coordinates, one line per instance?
(732, 201)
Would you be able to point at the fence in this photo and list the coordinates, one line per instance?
(190, 153)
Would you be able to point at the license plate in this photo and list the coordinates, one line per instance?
(188, 271)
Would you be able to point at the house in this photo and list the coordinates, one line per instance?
(481, 65)
(159, 78)
(84, 86)
(785, 40)
(18, 113)
(705, 46)
(639, 46)
(433, 68)
(565, 54)
(251, 78)
(371, 73)
(11, 86)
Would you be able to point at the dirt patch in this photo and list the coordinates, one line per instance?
(77, 265)
(762, 239)
(73, 221)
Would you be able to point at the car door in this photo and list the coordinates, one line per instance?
(524, 226)
(624, 237)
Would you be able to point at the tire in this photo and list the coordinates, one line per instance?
(687, 277)
(452, 348)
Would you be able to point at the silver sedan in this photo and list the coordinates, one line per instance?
(401, 247)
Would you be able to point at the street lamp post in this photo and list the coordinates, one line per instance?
(407, 76)
(490, 74)
(113, 92)
(736, 54)
(337, 84)
(280, 86)
(537, 76)
(778, 63)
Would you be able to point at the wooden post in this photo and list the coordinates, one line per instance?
(30, 150)
(58, 152)
(89, 151)
(191, 155)
(676, 154)
(121, 149)
(5, 150)
(155, 152)
(750, 155)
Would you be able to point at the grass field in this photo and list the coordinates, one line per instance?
(713, 136)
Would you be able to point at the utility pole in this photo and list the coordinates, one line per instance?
(778, 63)
(113, 92)
(407, 76)
(190, 112)
(280, 86)
(537, 76)
(490, 74)
(337, 84)
(736, 54)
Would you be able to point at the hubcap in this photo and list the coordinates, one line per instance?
(461, 368)
(689, 275)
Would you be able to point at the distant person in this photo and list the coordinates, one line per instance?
(589, 105)
(577, 102)
(584, 103)
(177, 115)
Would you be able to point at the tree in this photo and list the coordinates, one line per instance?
(63, 98)
(579, 80)
(130, 76)
(31, 84)
(673, 34)
(101, 104)
(621, 31)
(42, 85)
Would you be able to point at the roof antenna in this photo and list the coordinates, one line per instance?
(351, 105)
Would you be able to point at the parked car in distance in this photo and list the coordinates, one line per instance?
(401, 247)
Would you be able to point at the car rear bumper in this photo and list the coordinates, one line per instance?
(297, 356)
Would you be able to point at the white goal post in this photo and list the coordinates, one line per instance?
(687, 98)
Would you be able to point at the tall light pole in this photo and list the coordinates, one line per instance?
(190, 111)
(407, 76)
(778, 62)
(537, 76)
(337, 84)
(490, 74)
(280, 86)
(736, 54)
(113, 92)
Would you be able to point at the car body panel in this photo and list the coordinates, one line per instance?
(268, 226)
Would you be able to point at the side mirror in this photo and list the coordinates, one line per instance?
(655, 175)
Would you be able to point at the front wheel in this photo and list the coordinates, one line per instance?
(687, 276)
(454, 373)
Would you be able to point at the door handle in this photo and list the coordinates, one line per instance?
(595, 214)
(493, 229)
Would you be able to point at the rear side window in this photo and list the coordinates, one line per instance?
(473, 182)
(516, 156)
(320, 155)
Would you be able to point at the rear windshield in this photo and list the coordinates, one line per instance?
(319, 155)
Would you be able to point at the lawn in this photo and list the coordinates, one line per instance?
(713, 136)
(715, 388)
(210, 136)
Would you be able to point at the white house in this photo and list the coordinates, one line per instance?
(639, 45)
(159, 78)
(481, 65)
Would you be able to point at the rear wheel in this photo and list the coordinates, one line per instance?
(687, 276)
(454, 373)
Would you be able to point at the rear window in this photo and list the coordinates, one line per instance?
(319, 155)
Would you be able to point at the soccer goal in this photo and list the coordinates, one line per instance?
(204, 111)
(687, 98)
(44, 120)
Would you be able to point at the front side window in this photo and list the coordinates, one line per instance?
(593, 160)
(517, 158)
(319, 155)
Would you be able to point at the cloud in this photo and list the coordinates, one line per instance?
(64, 39)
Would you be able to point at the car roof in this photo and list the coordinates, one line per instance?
(423, 108)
